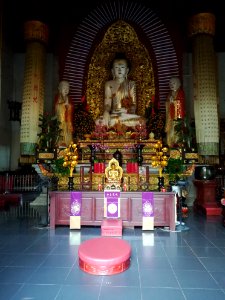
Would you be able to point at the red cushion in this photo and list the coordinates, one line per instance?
(104, 251)
(104, 256)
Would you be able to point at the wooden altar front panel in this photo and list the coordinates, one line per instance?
(92, 212)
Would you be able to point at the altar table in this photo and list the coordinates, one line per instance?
(92, 211)
(128, 148)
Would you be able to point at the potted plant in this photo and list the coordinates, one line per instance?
(174, 169)
(59, 173)
(132, 165)
(50, 132)
(48, 137)
(58, 167)
(185, 132)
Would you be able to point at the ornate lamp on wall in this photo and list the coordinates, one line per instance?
(159, 160)
(70, 157)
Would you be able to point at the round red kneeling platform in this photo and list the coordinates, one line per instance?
(104, 256)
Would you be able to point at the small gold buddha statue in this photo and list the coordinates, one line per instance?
(113, 174)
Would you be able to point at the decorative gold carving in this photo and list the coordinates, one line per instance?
(131, 179)
(63, 182)
(120, 37)
(191, 155)
(46, 155)
(202, 23)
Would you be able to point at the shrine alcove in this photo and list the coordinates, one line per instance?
(136, 31)
(120, 37)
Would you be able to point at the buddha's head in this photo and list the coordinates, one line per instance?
(120, 66)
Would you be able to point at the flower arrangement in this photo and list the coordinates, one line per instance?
(99, 147)
(120, 129)
(132, 165)
(100, 132)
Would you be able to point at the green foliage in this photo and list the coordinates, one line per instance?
(134, 159)
(50, 131)
(174, 168)
(185, 132)
(58, 167)
(99, 160)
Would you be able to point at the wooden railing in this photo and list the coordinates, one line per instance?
(14, 183)
(17, 192)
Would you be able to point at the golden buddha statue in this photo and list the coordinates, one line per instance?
(113, 174)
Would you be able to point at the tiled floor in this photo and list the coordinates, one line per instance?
(39, 263)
